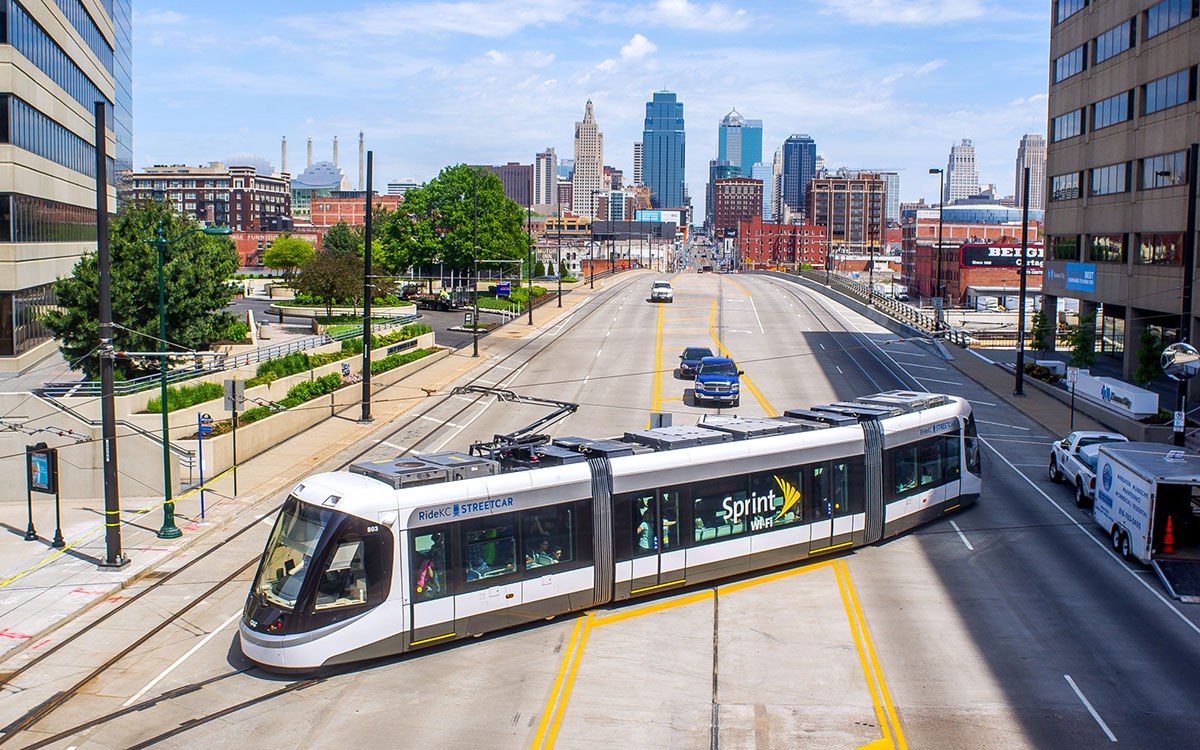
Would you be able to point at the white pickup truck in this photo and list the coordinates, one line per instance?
(1064, 454)
(661, 291)
(1085, 462)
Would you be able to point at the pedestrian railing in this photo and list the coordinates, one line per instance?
(215, 364)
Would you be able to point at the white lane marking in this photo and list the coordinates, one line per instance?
(1001, 424)
(489, 402)
(821, 345)
(755, 309)
(598, 353)
(839, 370)
(982, 403)
(267, 521)
(390, 445)
(1087, 704)
(137, 696)
(585, 379)
(961, 535)
(907, 353)
(1102, 545)
(924, 367)
(932, 380)
(606, 333)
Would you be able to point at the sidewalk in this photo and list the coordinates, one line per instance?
(42, 588)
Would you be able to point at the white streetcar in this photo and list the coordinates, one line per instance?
(396, 555)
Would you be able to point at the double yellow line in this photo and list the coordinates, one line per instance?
(564, 680)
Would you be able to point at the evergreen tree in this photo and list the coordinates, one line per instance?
(341, 239)
(1149, 355)
(1083, 341)
(539, 268)
(1043, 334)
(549, 268)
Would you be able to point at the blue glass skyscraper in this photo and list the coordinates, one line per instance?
(739, 142)
(799, 167)
(663, 150)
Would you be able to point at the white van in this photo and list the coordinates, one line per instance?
(1148, 503)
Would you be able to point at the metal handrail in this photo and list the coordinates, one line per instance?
(218, 364)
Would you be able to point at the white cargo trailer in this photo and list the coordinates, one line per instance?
(1142, 491)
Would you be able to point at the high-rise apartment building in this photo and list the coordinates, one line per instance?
(637, 164)
(587, 178)
(545, 178)
(60, 58)
(851, 207)
(1031, 153)
(799, 167)
(764, 174)
(663, 150)
(517, 180)
(891, 203)
(962, 176)
(735, 200)
(739, 142)
(1123, 112)
(717, 170)
(242, 198)
(777, 185)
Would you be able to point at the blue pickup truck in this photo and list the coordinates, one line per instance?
(717, 380)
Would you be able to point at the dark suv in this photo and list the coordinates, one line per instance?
(689, 361)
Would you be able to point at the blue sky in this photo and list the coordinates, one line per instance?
(877, 83)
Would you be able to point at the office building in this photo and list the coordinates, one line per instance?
(777, 185)
(962, 176)
(517, 180)
(799, 168)
(739, 142)
(244, 198)
(764, 174)
(320, 180)
(1123, 112)
(736, 199)
(850, 206)
(1031, 153)
(545, 178)
(891, 203)
(717, 170)
(663, 150)
(764, 245)
(586, 178)
(637, 164)
(60, 59)
(400, 187)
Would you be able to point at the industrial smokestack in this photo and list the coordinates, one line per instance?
(335, 159)
(310, 151)
(361, 162)
(283, 160)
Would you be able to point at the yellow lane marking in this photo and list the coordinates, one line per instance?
(562, 705)
(541, 732)
(729, 588)
(887, 699)
(656, 607)
(656, 390)
(698, 330)
(745, 379)
(877, 744)
(862, 657)
(681, 320)
(100, 528)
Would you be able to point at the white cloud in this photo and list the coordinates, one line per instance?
(683, 14)
(909, 12)
(638, 46)
(486, 19)
(929, 67)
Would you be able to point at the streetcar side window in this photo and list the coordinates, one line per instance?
(549, 535)
(642, 522)
(720, 509)
(782, 495)
(950, 444)
(489, 548)
(820, 500)
(971, 446)
(923, 465)
(429, 563)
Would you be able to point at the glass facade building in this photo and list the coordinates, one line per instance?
(739, 142)
(73, 54)
(664, 150)
(799, 167)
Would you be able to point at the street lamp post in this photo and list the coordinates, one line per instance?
(937, 289)
(558, 266)
(475, 261)
(1019, 388)
(1189, 260)
(871, 266)
(169, 530)
(529, 238)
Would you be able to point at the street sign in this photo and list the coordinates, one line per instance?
(235, 394)
(1178, 421)
(345, 369)
(1072, 375)
(468, 319)
(503, 288)
(937, 303)
(206, 424)
(42, 464)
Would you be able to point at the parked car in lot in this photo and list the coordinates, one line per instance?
(1064, 454)
(717, 381)
(689, 361)
(660, 291)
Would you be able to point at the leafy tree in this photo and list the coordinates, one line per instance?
(1149, 355)
(195, 273)
(1043, 334)
(288, 253)
(539, 268)
(342, 239)
(330, 276)
(1083, 341)
(436, 221)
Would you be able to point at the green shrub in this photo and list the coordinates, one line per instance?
(236, 332)
(183, 396)
(395, 360)
(280, 367)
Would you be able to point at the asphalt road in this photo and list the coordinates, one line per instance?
(1011, 624)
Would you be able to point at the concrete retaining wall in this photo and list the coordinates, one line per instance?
(1130, 428)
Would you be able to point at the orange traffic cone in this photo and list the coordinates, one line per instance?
(1168, 546)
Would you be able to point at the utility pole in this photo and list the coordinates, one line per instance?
(558, 266)
(1019, 388)
(529, 237)
(1189, 260)
(475, 260)
(368, 292)
(113, 557)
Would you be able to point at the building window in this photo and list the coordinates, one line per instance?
(1065, 247)
(1070, 64)
(1111, 179)
(21, 315)
(25, 127)
(1167, 15)
(1106, 248)
(1168, 91)
(1112, 110)
(24, 219)
(1067, 126)
(1064, 187)
(1114, 41)
(1166, 170)
(1163, 249)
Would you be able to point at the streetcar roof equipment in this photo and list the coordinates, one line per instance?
(830, 418)
(742, 428)
(677, 436)
(595, 448)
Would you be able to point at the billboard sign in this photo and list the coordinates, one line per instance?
(1000, 256)
(1081, 277)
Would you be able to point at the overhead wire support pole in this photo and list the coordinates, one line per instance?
(475, 261)
(1189, 261)
(1019, 388)
(113, 556)
(529, 238)
(368, 292)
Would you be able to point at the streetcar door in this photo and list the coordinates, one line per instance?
(430, 593)
(658, 556)
(829, 490)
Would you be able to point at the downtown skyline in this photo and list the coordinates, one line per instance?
(899, 82)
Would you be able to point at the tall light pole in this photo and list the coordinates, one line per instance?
(558, 266)
(368, 293)
(529, 238)
(475, 261)
(871, 266)
(1019, 389)
(937, 288)
(592, 275)
(1189, 260)
(169, 530)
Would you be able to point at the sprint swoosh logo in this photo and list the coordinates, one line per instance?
(791, 496)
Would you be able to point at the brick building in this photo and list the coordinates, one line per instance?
(762, 245)
(240, 197)
(518, 181)
(851, 205)
(251, 245)
(735, 199)
(348, 206)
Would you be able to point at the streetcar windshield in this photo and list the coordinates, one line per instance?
(290, 551)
